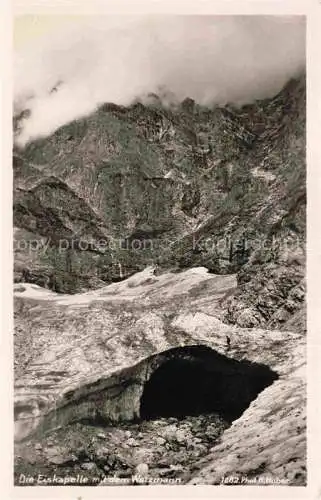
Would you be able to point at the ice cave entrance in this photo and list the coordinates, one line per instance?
(197, 380)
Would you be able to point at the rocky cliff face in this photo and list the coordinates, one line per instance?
(179, 187)
(152, 241)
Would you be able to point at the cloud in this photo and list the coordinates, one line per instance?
(212, 59)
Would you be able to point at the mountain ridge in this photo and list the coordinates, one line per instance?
(189, 173)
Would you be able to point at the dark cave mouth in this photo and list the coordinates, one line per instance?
(182, 382)
(198, 380)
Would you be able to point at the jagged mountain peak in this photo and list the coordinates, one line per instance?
(185, 172)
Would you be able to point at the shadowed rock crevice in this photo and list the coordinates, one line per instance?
(201, 381)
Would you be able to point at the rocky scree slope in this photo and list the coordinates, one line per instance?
(109, 194)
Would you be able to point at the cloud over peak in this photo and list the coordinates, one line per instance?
(212, 59)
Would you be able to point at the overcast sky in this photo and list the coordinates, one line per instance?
(212, 59)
